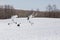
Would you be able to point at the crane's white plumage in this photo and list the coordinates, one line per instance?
(14, 16)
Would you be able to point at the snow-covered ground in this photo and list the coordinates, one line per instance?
(38, 29)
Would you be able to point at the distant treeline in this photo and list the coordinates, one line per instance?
(7, 11)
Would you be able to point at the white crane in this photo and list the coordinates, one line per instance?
(31, 16)
(13, 20)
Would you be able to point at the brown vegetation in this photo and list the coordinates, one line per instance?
(7, 11)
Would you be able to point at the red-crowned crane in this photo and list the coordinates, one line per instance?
(31, 16)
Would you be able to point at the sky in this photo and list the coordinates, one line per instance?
(30, 4)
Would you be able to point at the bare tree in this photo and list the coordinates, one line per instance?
(49, 8)
(6, 11)
(9, 11)
(52, 10)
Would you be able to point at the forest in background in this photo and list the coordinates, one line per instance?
(6, 11)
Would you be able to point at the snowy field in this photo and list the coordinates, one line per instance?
(36, 29)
